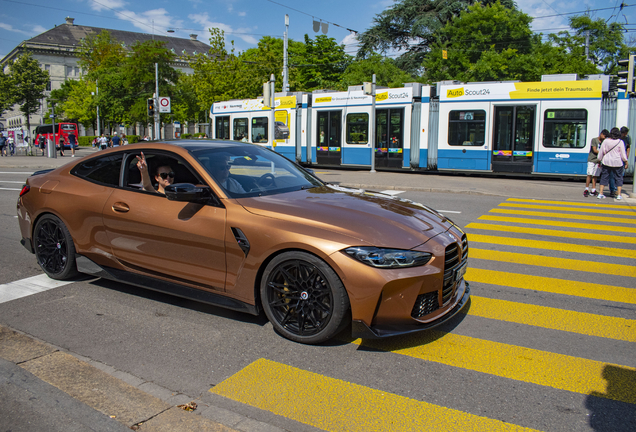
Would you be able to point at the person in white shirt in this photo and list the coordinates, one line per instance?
(220, 170)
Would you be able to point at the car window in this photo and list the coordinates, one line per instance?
(249, 170)
(103, 170)
(182, 172)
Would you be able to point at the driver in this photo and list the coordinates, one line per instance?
(163, 173)
(220, 170)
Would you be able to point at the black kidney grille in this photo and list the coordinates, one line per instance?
(451, 263)
(425, 304)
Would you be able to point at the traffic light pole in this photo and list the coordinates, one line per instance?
(156, 101)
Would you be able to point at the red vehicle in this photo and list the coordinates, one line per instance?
(62, 131)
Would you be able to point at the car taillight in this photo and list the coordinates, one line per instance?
(25, 189)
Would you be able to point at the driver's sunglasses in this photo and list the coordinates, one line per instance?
(166, 175)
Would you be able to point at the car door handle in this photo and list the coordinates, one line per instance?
(121, 207)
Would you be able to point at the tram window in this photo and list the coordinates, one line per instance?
(467, 128)
(259, 130)
(223, 127)
(357, 128)
(240, 128)
(565, 128)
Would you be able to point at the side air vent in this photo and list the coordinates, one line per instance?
(242, 241)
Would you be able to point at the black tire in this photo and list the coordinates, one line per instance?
(304, 298)
(54, 248)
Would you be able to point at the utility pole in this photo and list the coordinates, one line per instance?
(285, 69)
(369, 89)
(99, 133)
(157, 101)
(50, 151)
(272, 95)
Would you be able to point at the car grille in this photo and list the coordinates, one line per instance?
(425, 304)
(455, 256)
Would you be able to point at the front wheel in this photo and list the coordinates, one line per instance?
(303, 298)
(54, 248)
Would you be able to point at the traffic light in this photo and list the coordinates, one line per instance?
(151, 107)
(626, 77)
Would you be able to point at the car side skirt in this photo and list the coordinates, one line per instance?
(361, 330)
(86, 266)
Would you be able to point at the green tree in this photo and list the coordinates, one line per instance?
(410, 26)
(77, 101)
(29, 84)
(485, 43)
(385, 69)
(321, 64)
(267, 59)
(6, 89)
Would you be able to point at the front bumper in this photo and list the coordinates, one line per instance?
(361, 330)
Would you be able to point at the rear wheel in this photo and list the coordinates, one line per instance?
(303, 298)
(54, 248)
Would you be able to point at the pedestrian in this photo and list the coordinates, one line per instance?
(103, 142)
(42, 143)
(628, 143)
(10, 146)
(124, 140)
(72, 140)
(613, 161)
(61, 144)
(3, 143)
(593, 165)
(115, 141)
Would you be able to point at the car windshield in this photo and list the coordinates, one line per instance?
(247, 171)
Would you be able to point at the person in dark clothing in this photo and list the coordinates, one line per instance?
(72, 141)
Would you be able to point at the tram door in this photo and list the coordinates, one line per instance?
(513, 139)
(329, 133)
(222, 129)
(389, 139)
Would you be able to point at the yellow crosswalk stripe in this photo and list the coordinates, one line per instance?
(555, 246)
(336, 405)
(553, 233)
(563, 216)
(552, 318)
(560, 263)
(591, 225)
(553, 285)
(624, 212)
(544, 368)
(565, 203)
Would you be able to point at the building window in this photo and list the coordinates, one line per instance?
(69, 71)
(47, 68)
(564, 128)
(77, 71)
(48, 86)
(467, 128)
(357, 128)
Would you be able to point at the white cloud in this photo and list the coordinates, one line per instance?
(242, 14)
(157, 20)
(351, 44)
(100, 5)
(10, 28)
(204, 21)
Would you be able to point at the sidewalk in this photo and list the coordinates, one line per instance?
(422, 181)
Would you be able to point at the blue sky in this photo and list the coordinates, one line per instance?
(246, 21)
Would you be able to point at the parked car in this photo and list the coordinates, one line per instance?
(281, 131)
(242, 227)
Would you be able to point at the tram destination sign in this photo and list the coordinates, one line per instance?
(528, 90)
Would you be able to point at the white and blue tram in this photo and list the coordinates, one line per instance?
(536, 128)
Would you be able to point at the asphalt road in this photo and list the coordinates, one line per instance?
(547, 342)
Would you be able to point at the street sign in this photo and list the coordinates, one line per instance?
(164, 104)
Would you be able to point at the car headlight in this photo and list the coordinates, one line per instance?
(388, 258)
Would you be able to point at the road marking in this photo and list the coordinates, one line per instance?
(552, 233)
(589, 225)
(448, 211)
(552, 318)
(28, 173)
(392, 192)
(560, 263)
(564, 216)
(336, 405)
(553, 285)
(10, 189)
(563, 372)
(555, 246)
(592, 204)
(7, 181)
(625, 211)
(29, 286)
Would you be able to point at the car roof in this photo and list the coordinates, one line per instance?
(199, 144)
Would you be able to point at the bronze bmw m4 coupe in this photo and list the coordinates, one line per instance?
(239, 226)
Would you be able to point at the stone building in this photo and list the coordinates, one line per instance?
(56, 51)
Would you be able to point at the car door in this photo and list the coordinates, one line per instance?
(180, 241)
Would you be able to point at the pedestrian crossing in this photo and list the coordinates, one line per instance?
(556, 271)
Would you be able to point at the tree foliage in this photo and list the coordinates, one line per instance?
(387, 73)
(410, 26)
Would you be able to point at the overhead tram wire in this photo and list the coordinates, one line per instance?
(313, 16)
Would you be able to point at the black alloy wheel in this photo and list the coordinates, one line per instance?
(54, 248)
(303, 298)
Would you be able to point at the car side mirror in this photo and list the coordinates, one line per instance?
(187, 192)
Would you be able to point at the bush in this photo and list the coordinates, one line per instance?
(85, 141)
(186, 135)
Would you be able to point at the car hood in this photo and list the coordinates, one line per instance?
(370, 218)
